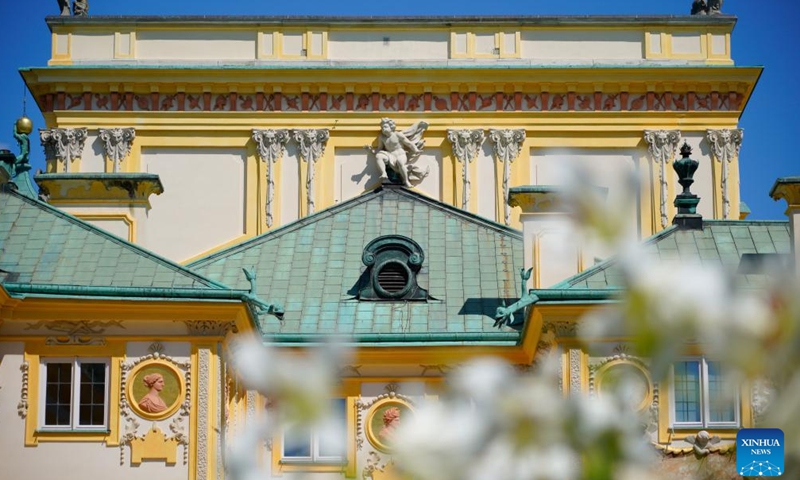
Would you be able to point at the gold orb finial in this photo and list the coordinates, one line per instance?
(24, 125)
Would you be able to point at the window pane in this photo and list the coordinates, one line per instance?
(297, 442)
(92, 405)
(687, 392)
(58, 394)
(333, 438)
(721, 395)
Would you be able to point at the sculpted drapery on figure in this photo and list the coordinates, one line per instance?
(399, 151)
(80, 8)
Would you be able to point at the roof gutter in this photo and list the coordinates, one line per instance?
(399, 338)
(572, 295)
(21, 290)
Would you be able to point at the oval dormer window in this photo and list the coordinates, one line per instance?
(393, 278)
(393, 262)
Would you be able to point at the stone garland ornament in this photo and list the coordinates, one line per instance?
(662, 145)
(63, 144)
(312, 144)
(399, 152)
(465, 145)
(575, 371)
(725, 145)
(203, 397)
(117, 143)
(507, 144)
(22, 406)
(271, 146)
(133, 407)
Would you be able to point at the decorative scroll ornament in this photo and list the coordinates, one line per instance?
(22, 406)
(270, 145)
(63, 144)
(507, 145)
(117, 143)
(312, 144)
(662, 145)
(210, 328)
(465, 145)
(725, 145)
(79, 332)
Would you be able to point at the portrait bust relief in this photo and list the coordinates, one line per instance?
(155, 389)
(383, 420)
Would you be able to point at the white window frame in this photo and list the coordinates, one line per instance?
(705, 402)
(74, 426)
(315, 457)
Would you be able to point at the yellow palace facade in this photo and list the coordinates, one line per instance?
(207, 178)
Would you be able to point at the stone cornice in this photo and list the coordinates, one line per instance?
(126, 188)
(382, 21)
(787, 188)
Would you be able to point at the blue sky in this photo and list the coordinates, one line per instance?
(767, 34)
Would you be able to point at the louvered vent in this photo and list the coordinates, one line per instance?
(393, 278)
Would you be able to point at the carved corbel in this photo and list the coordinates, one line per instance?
(725, 145)
(312, 144)
(270, 145)
(507, 144)
(117, 144)
(662, 145)
(63, 144)
(465, 145)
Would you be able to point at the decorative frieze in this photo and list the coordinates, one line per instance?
(63, 144)
(520, 101)
(270, 145)
(117, 143)
(311, 145)
(507, 144)
(465, 145)
(662, 145)
(725, 145)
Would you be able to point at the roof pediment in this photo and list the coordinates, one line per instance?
(314, 267)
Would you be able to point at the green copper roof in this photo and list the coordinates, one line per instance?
(312, 267)
(721, 242)
(42, 245)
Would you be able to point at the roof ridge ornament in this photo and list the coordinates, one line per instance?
(707, 7)
(686, 202)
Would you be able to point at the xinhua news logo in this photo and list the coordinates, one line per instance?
(759, 452)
